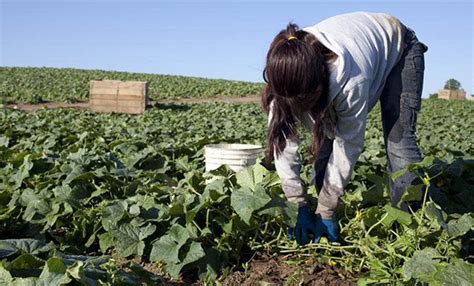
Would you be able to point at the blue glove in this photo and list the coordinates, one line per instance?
(327, 227)
(304, 224)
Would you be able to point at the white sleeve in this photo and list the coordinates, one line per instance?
(352, 111)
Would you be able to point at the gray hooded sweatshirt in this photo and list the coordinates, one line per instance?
(368, 46)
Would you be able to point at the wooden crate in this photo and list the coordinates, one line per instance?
(451, 94)
(118, 96)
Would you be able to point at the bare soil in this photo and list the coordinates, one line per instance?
(33, 107)
(281, 270)
(234, 100)
(85, 105)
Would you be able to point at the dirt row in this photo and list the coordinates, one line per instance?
(85, 105)
(263, 270)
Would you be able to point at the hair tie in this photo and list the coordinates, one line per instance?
(292, 38)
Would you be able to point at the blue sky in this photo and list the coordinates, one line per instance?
(214, 39)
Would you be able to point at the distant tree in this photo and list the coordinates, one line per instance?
(452, 84)
(434, 95)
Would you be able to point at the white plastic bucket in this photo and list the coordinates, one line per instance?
(236, 156)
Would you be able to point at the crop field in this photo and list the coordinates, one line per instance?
(35, 85)
(114, 199)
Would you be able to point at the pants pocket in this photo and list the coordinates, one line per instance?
(419, 63)
(409, 107)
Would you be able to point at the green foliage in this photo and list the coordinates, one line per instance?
(452, 84)
(35, 85)
(130, 186)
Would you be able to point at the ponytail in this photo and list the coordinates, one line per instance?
(297, 81)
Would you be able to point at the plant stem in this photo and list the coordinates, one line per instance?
(423, 206)
(376, 224)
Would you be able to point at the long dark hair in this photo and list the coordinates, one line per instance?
(297, 80)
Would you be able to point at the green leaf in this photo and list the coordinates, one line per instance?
(5, 276)
(214, 191)
(167, 248)
(459, 273)
(421, 264)
(194, 253)
(211, 264)
(27, 245)
(77, 272)
(245, 202)
(413, 193)
(36, 205)
(222, 172)
(129, 239)
(25, 282)
(281, 207)
(112, 214)
(78, 155)
(435, 214)
(379, 270)
(399, 173)
(394, 214)
(78, 174)
(372, 215)
(133, 158)
(4, 140)
(251, 176)
(26, 261)
(54, 273)
(271, 179)
(23, 172)
(7, 249)
(460, 226)
(106, 241)
(134, 210)
(425, 163)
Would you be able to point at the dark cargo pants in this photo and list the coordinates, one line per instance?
(400, 102)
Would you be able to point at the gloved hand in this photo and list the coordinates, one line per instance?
(304, 224)
(328, 227)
